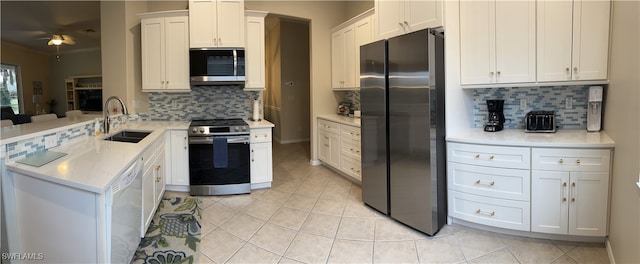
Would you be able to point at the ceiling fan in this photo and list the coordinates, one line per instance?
(58, 39)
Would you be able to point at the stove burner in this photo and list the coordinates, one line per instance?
(215, 127)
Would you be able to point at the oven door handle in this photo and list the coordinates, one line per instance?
(209, 140)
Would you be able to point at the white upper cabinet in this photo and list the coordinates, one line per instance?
(346, 40)
(497, 42)
(397, 17)
(165, 51)
(254, 51)
(216, 23)
(573, 40)
(343, 58)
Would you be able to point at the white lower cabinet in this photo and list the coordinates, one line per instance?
(261, 158)
(489, 185)
(177, 165)
(153, 184)
(339, 147)
(546, 190)
(329, 143)
(570, 191)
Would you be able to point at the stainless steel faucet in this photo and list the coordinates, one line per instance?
(105, 110)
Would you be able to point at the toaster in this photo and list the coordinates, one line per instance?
(540, 121)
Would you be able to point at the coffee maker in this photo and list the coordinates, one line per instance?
(496, 116)
(594, 111)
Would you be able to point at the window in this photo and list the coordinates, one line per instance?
(9, 88)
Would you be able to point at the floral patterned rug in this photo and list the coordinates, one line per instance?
(174, 233)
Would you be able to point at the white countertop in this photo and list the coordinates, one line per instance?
(350, 121)
(259, 124)
(10, 134)
(92, 164)
(565, 138)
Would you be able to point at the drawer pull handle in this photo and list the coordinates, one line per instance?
(491, 157)
(326, 145)
(578, 161)
(326, 137)
(477, 156)
(486, 183)
(564, 198)
(492, 213)
(561, 161)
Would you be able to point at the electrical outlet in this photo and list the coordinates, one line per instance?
(523, 104)
(50, 141)
(568, 103)
(174, 104)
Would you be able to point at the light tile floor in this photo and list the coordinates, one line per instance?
(313, 215)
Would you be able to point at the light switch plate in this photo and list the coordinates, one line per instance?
(568, 103)
(523, 103)
(50, 141)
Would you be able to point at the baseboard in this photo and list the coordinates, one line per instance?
(177, 188)
(612, 260)
(262, 185)
(291, 141)
(590, 239)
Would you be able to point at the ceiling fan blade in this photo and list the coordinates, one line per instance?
(66, 39)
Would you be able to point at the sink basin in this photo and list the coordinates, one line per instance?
(128, 136)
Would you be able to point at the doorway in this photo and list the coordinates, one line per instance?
(288, 77)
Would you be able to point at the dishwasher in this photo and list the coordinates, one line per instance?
(124, 214)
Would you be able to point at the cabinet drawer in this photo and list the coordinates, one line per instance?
(493, 156)
(512, 184)
(350, 132)
(571, 159)
(260, 135)
(329, 126)
(351, 167)
(490, 211)
(351, 148)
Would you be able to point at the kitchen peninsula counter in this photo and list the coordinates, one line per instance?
(10, 134)
(91, 163)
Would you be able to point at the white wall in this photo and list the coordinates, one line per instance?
(88, 62)
(621, 123)
(323, 16)
(33, 66)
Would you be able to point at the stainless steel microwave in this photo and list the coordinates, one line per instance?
(217, 66)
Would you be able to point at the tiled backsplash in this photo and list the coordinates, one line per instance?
(20, 149)
(538, 98)
(354, 98)
(203, 102)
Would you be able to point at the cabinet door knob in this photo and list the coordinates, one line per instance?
(578, 161)
(575, 69)
(491, 74)
(567, 69)
(561, 161)
(477, 156)
(491, 157)
(400, 23)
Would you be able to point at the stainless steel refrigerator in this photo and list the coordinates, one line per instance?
(402, 123)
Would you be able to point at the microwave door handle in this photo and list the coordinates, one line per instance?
(235, 62)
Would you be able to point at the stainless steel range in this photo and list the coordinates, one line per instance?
(219, 157)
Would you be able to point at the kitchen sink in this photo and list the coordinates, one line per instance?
(128, 136)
